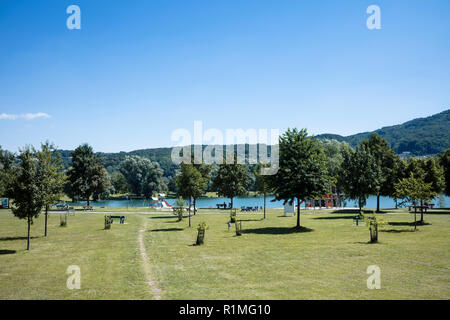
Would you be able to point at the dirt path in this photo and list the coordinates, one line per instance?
(147, 270)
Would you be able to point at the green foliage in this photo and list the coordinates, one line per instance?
(143, 176)
(374, 223)
(444, 160)
(86, 175)
(119, 182)
(190, 182)
(359, 174)
(414, 190)
(201, 229)
(51, 173)
(421, 136)
(333, 151)
(231, 180)
(6, 165)
(302, 169)
(107, 222)
(385, 159)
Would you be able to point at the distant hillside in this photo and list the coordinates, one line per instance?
(420, 136)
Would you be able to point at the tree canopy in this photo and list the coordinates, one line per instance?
(302, 169)
(143, 176)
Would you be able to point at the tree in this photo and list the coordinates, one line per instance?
(302, 169)
(190, 184)
(231, 180)
(24, 188)
(6, 164)
(414, 190)
(434, 174)
(385, 159)
(86, 175)
(119, 182)
(333, 151)
(444, 160)
(262, 183)
(359, 175)
(51, 175)
(143, 176)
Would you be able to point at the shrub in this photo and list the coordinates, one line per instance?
(201, 233)
(107, 222)
(374, 222)
(63, 220)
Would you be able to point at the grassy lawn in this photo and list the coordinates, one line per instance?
(269, 261)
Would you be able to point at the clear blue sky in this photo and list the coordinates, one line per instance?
(137, 70)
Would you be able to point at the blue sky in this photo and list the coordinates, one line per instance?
(138, 70)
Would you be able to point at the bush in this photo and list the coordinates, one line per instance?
(107, 222)
(63, 220)
(374, 223)
(201, 233)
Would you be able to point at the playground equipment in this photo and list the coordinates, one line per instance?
(160, 202)
(327, 201)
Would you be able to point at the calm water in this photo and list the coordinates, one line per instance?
(385, 202)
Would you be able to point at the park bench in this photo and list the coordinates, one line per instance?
(120, 218)
(358, 218)
(424, 207)
(85, 208)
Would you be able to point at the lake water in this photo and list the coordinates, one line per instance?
(238, 202)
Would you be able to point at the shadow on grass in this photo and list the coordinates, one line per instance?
(167, 229)
(251, 219)
(7, 252)
(16, 238)
(164, 217)
(334, 218)
(277, 230)
(398, 231)
(409, 224)
(368, 242)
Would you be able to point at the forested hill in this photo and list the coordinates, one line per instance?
(422, 136)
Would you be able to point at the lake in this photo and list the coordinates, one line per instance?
(385, 202)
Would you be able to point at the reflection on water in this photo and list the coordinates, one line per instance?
(238, 202)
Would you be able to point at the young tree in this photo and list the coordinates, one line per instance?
(262, 183)
(51, 175)
(385, 159)
(414, 190)
(231, 180)
(190, 184)
(143, 176)
(359, 175)
(25, 189)
(302, 169)
(86, 175)
(444, 160)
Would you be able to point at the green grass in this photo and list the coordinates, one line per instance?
(269, 261)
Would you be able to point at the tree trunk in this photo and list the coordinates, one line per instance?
(421, 211)
(264, 204)
(360, 204)
(190, 212)
(298, 213)
(88, 201)
(46, 214)
(194, 206)
(28, 238)
(231, 207)
(378, 202)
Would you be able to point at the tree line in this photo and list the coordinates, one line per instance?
(308, 168)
